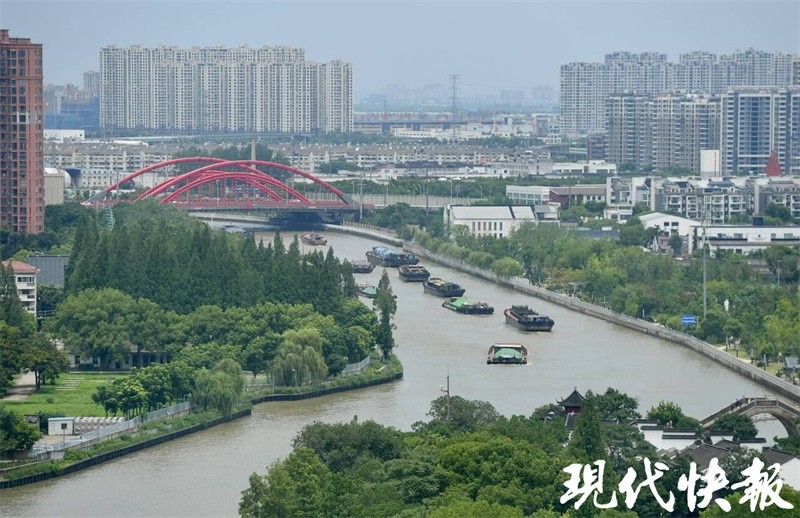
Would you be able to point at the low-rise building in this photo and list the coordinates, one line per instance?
(669, 225)
(25, 278)
(578, 194)
(590, 167)
(744, 239)
(494, 220)
(528, 194)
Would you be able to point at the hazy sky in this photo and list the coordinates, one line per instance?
(492, 45)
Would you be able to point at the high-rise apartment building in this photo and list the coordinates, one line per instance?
(662, 131)
(91, 82)
(756, 122)
(586, 86)
(268, 89)
(21, 135)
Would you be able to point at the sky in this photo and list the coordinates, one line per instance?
(508, 45)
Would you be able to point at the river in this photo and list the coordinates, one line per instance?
(204, 473)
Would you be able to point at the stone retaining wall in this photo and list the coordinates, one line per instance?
(779, 385)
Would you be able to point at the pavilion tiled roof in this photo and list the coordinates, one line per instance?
(574, 400)
(773, 168)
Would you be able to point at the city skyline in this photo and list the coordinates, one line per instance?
(523, 51)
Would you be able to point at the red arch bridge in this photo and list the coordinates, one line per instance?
(215, 184)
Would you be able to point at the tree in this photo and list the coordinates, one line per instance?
(458, 414)
(11, 350)
(587, 440)
(476, 509)
(129, 395)
(666, 413)
(386, 305)
(43, 358)
(294, 487)
(104, 397)
(11, 310)
(741, 426)
(16, 433)
(614, 404)
(507, 267)
(780, 212)
(676, 244)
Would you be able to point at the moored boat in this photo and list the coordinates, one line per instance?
(507, 353)
(382, 256)
(367, 290)
(362, 267)
(526, 319)
(413, 273)
(468, 307)
(313, 239)
(442, 288)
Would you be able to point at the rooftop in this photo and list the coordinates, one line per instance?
(574, 400)
(20, 268)
(491, 212)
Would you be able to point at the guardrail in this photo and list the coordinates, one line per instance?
(353, 368)
(91, 438)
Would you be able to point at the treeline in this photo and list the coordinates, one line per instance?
(109, 325)
(182, 268)
(622, 276)
(468, 461)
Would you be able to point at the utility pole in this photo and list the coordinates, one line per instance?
(361, 195)
(427, 179)
(454, 100)
(446, 390)
(705, 260)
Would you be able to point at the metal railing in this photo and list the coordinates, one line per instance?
(100, 434)
(353, 368)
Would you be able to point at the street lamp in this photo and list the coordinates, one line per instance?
(294, 377)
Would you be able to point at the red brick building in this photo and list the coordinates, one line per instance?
(21, 135)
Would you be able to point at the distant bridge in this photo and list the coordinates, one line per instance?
(749, 407)
(236, 185)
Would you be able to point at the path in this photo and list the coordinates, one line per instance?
(23, 387)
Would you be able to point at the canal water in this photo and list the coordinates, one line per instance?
(204, 474)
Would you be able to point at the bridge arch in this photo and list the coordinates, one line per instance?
(159, 165)
(199, 173)
(786, 414)
(214, 176)
(250, 163)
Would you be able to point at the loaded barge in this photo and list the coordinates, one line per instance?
(526, 319)
(413, 273)
(507, 353)
(468, 307)
(362, 267)
(442, 288)
(313, 239)
(382, 256)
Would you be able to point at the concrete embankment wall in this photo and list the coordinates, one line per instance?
(325, 392)
(365, 231)
(774, 383)
(103, 457)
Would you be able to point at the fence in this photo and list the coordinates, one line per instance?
(109, 432)
(353, 368)
(778, 385)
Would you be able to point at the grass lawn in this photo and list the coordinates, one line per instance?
(62, 398)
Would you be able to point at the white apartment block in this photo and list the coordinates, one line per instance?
(267, 89)
(755, 122)
(744, 239)
(586, 86)
(101, 165)
(497, 221)
(25, 278)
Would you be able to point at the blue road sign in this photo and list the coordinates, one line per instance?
(689, 320)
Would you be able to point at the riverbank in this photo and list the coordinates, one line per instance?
(77, 460)
(752, 372)
(156, 433)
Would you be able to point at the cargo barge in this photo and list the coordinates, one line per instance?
(468, 307)
(313, 239)
(413, 273)
(507, 353)
(442, 288)
(362, 267)
(382, 256)
(526, 319)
